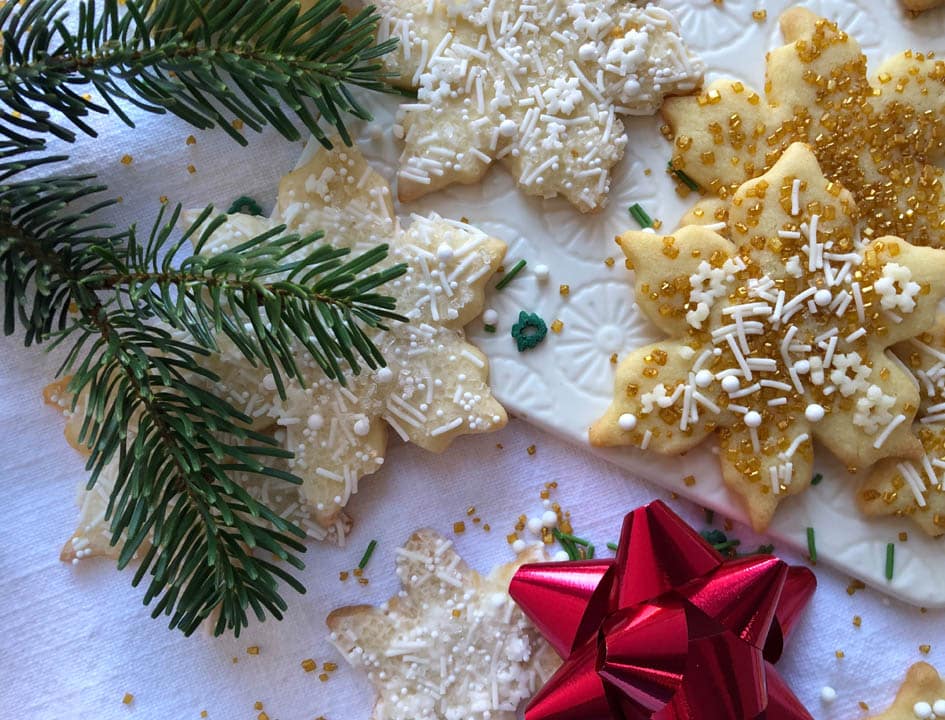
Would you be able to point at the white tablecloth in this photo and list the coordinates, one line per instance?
(74, 640)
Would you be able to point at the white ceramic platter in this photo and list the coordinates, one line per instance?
(566, 383)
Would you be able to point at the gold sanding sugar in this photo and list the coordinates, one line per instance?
(252, 650)
(127, 159)
(459, 527)
(531, 449)
(925, 649)
(128, 699)
(309, 665)
(557, 326)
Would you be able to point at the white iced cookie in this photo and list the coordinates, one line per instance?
(435, 386)
(451, 644)
(539, 86)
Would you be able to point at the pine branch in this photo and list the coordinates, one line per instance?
(175, 477)
(289, 290)
(137, 325)
(251, 60)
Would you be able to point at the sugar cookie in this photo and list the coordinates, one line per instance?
(777, 336)
(538, 86)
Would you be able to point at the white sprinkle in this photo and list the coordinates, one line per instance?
(627, 421)
(549, 519)
(542, 272)
(490, 317)
(796, 197)
(828, 694)
(823, 297)
(814, 413)
(560, 556)
(646, 440)
(922, 710)
(452, 425)
(856, 335)
(753, 419)
(704, 378)
(888, 430)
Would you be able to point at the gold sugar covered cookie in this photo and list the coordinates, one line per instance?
(921, 697)
(914, 488)
(539, 87)
(778, 316)
(881, 137)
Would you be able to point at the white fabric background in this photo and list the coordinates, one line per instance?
(75, 640)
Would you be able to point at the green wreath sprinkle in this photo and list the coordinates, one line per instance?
(529, 331)
(245, 204)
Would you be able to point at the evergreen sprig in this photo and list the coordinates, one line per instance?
(253, 60)
(137, 325)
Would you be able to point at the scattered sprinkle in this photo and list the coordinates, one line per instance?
(127, 159)
(816, 479)
(459, 527)
(612, 547)
(128, 699)
(709, 516)
(531, 449)
(857, 621)
(811, 545)
(191, 169)
(510, 275)
(854, 586)
(640, 215)
(367, 555)
(252, 650)
(863, 706)
(309, 665)
(557, 326)
(840, 654)
(685, 179)
(191, 140)
(890, 560)
(925, 649)
(564, 290)
(529, 331)
(246, 205)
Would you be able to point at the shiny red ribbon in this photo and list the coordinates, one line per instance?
(667, 630)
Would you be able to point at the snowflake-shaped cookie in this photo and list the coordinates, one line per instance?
(538, 86)
(435, 386)
(882, 138)
(921, 697)
(778, 335)
(916, 489)
(452, 645)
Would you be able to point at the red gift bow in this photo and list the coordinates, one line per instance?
(668, 630)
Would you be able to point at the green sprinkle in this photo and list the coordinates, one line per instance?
(489, 328)
(572, 538)
(811, 545)
(765, 550)
(529, 331)
(816, 479)
(714, 537)
(890, 560)
(685, 179)
(367, 554)
(510, 275)
(245, 204)
(612, 547)
(709, 516)
(589, 554)
(640, 215)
